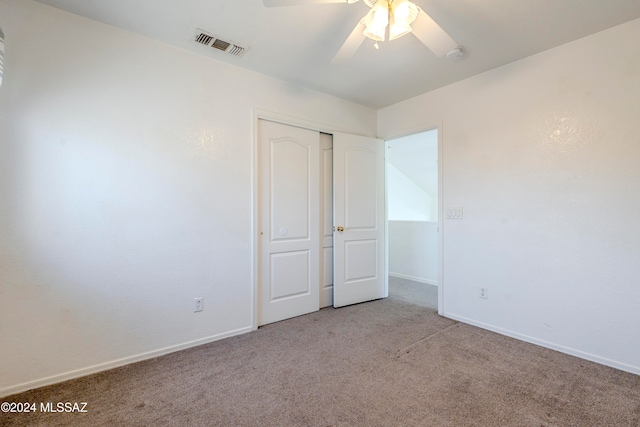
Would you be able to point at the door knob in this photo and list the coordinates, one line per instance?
(340, 228)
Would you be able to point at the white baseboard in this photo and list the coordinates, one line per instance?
(415, 279)
(562, 349)
(54, 379)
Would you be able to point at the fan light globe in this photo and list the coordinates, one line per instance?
(376, 21)
(404, 11)
(398, 29)
(396, 14)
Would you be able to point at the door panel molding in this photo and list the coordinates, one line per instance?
(359, 216)
(289, 218)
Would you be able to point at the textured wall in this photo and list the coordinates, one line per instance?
(544, 157)
(125, 192)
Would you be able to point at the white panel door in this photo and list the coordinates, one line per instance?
(326, 220)
(289, 232)
(359, 218)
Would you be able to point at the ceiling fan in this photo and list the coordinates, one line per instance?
(394, 18)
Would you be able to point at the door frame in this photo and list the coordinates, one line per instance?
(262, 114)
(436, 126)
(259, 113)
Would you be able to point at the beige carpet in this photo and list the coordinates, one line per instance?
(409, 291)
(385, 363)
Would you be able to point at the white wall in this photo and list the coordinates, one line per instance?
(544, 157)
(405, 200)
(125, 192)
(413, 250)
(415, 156)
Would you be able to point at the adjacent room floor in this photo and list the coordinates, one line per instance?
(415, 293)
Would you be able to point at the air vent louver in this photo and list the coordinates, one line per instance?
(221, 44)
(236, 50)
(207, 39)
(204, 38)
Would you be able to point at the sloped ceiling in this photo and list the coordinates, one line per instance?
(297, 43)
(416, 156)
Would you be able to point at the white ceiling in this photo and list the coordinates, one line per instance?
(297, 43)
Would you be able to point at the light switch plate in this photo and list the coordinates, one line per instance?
(454, 213)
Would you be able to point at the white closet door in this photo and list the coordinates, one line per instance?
(326, 220)
(289, 206)
(359, 218)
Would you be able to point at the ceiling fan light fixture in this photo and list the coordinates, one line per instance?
(404, 11)
(398, 29)
(376, 21)
(377, 34)
(397, 15)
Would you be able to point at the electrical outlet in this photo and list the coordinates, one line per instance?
(198, 304)
(483, 293)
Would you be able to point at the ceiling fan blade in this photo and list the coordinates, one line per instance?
(350, 46)
(432, 35)
(278, 3)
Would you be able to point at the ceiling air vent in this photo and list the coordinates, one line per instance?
(221, 45)
(230, 48)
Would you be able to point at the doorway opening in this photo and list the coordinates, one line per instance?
(412, 218)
